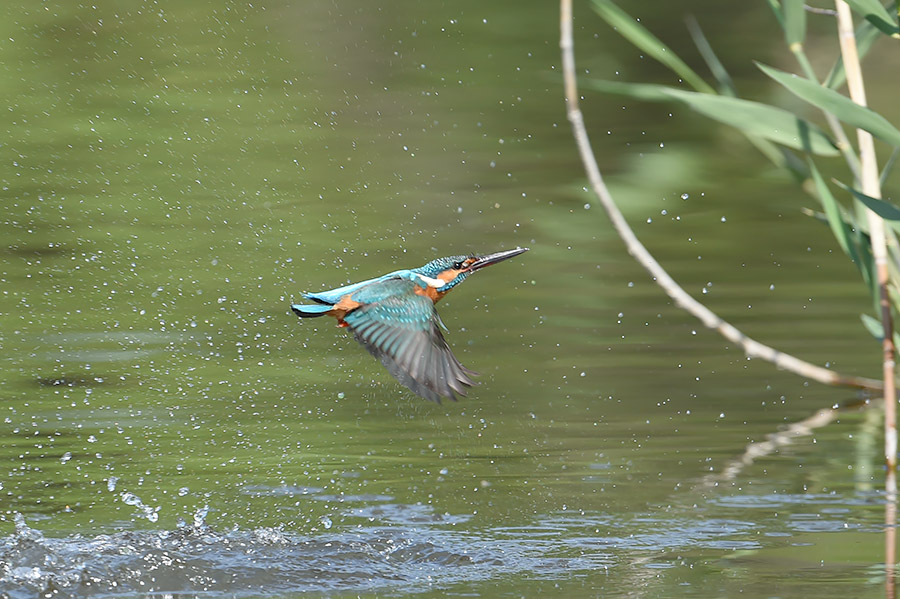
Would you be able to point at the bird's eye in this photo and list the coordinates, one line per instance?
(458, 266)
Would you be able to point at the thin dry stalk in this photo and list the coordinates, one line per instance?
(890, 548)
(871, 186)
(751, 347)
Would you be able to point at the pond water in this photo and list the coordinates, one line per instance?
(174, 174)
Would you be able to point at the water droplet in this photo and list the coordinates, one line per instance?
(200, 516)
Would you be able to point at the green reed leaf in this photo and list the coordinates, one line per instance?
(629, 28)
(794, 21)
(752, 118)
(882, 208)
(876, 14)
(873, 325)
(839, 227)
(837, 104)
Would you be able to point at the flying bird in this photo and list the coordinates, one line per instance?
(394, 317)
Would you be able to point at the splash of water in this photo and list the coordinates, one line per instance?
(150, 513)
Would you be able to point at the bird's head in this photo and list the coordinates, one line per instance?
(453, 270)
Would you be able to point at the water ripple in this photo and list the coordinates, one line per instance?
(199, 559)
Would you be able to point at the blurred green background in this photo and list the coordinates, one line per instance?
(173, 174)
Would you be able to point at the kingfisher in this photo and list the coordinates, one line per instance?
(394, 318)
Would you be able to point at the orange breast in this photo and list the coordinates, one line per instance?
(430, 292)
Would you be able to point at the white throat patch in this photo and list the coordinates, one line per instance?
(436, 283)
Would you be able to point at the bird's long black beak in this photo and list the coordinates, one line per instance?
(483, 261)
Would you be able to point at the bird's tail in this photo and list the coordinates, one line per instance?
(306, 311)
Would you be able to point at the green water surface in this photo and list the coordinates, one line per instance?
(174, 174)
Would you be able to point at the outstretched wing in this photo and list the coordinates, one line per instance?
(402, 330)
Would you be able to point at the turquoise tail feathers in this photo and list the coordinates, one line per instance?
(311, 310)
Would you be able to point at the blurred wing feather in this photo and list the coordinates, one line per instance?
(402, 330)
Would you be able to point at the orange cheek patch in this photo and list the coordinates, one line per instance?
(448, 275)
